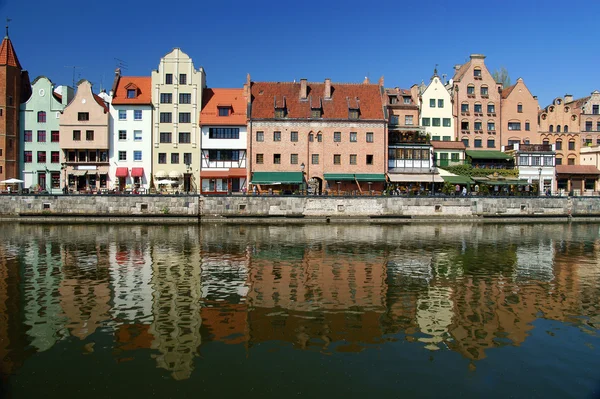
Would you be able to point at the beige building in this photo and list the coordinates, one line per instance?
(559, 125)
(477, 100)
(589, 118)
(177, 97)
(84, 140)
(519, 111)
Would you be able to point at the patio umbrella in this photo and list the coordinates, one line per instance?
(165, 181)
(12, 181)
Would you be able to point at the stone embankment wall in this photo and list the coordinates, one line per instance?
(191, 209)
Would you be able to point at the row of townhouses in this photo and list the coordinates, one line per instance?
(170, 131)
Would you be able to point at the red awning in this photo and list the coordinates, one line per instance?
(122, 172)
(137, 172)
(232, 172)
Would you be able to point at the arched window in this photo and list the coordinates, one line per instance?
(519, 108)
(319, 137)
(477, 108)
(484, 91)
(41, 117)
(551, 128)
(546, 142)
(557, 128)
(470, 90)
(477, 73)
(566, 129)
(311, 137)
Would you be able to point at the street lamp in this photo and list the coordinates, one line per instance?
(302, 166)
(432, 180)
(540, 181)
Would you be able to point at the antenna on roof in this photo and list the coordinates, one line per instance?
(74, 67)
(7, 21)
(121, 64)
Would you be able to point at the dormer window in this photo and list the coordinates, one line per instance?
(393, 99)
(353, 113)
(406, 99)
(224, 111)
(131, 93)
(315, 113)
(132, 90)
(280, 112)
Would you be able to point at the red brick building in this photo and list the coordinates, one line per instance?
(327, 136)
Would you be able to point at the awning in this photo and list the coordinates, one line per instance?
(487, 154)
(122, 172)
(277, 178)
(354, 176)
(409, 178)
(137, 172)
(78, 172)
(458, 179)
(175, 175)
(370, 176)
(160, 174)
(339, 176)
(221, 174)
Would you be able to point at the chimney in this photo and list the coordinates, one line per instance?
(303, 89)
(366, 81)
(457, 67)
(381, 81)
(247, 89)
(568, 98)
(327, 94)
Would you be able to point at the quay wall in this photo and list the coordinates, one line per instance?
(262, 208)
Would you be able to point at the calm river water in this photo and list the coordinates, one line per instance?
(314, 311)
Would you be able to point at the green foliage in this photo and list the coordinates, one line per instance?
(448, 188)
(165, 210)
(502, 76)
(468, 170)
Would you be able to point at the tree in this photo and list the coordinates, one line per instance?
(502, 76)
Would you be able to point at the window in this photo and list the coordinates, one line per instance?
(523, 160)
(294, 159)
(477, 72)
(440, 103)
(55, 156)
(491, 126)
(535, 161)
(276, 159)
(279, 112)
(260, 136)
(435, 122)
(566, 130)
(337, 159)
(353, 114)
(597, 127)
(137, 135)
(276, 136)
(571, 161)
(27, 157)
(369, 137)
(547, 161)
(484, 90)
(595, 109)
(89, 135)
(426, 122)
(162, 158)
(223, 111)
(319, 137)
(477, 143)
(314, 159)
(122, 135)
(464, 125)
(122, 155)
(559, 161)
(260, 159)
(393, 99)
(557, 128)
(465, 142)
(185, 117)
(54, 136)
(559, 145)
(137, 115)
(464, 107)
(491, 109)
(571, 145)
(165, 137)
(514, 125)
(551, 129)
(435, 138)
(315, 113)
(352, 159)
(41, 156)
(83, 116)
(408, 120)
(454, 157)
(223, 155)
(545, 141)
(588, 126)
(369, 159)
(353, 137)
(294, 136)
(137, 155)
(122, 115)
(470, 90)
(185, 137)
(166, 117)
(131, 93)
(311, 137)
(527, 126)
(432, 103)
(477, 125)
(169, 78)
(27, 136)
(76, 135)
(182, 79)
(174, 158)
(187, 158)
(520, 108)
(185, 98)
(447, 138)
(166, 98)
(446, 122)
(337, 137)
(394, 120)
(406, 100)
(477, 108)
(491, 143)
(41, 117)
(588, 141)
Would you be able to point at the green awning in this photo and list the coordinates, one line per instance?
(457, 179)
(372, 177)
(276, 178)
(487, 154)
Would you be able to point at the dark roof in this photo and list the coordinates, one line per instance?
(577, 170)
(448, 145)
(487, 154)
(267, 95)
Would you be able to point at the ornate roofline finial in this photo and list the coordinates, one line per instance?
(435, 70)
(7, 21)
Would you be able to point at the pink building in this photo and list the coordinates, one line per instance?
(519, 111)
(589, 117)
(329, 136)
(84, 140)
(559, 125)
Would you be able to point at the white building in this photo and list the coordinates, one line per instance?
(130, 133)
(536, 163)
(436, 110)
(224, 139)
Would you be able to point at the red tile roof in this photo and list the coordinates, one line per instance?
(579, 102)
(577, 170)
(101, 102)
(233, 99)
(506, 92)
(8, 56)
(448, 145)
(143, 85)
(343, 96)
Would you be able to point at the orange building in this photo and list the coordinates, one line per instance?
(518, 115)
(559, 125)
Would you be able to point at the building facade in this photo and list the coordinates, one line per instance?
(223, 124)
(177, 97)
(589, 118)
(519, 111)
(328, 136)
(84, 141)
(41, 162)
(535, 163)
(559, 125)
(476, 97)
(436, 111)
(130, 152)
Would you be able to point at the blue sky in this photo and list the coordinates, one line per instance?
(553, 45)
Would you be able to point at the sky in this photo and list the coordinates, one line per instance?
(553, 45)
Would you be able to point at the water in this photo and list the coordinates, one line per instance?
(310, 311)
